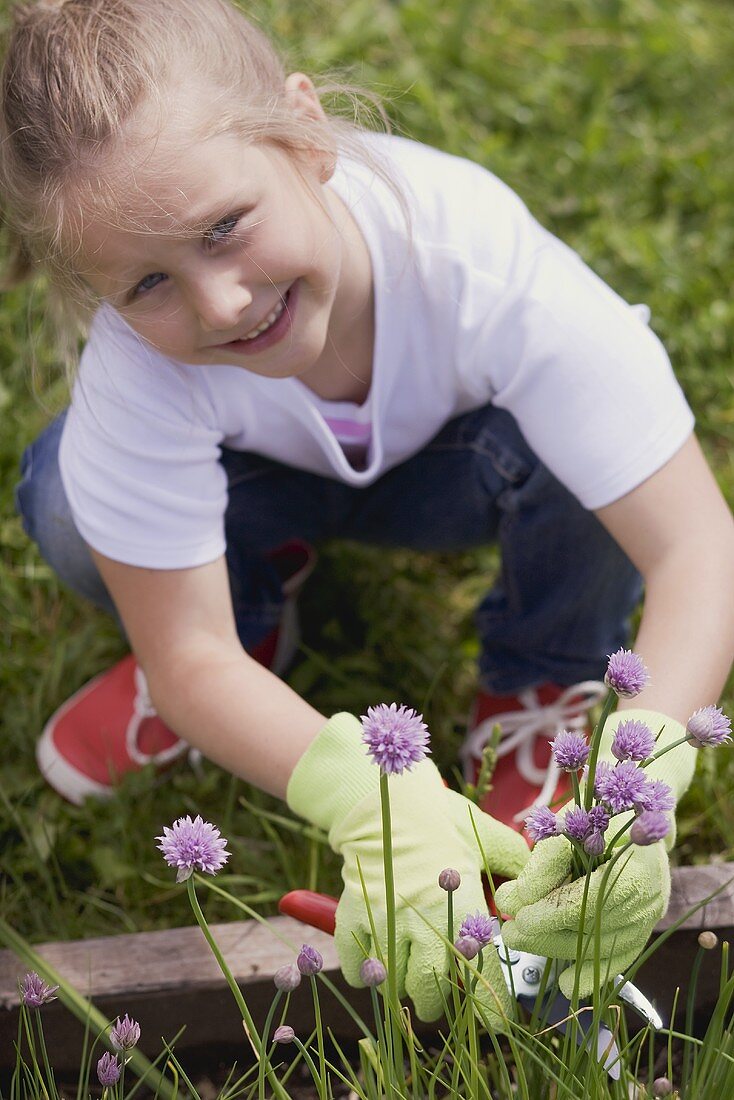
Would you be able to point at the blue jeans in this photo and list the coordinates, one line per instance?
(560, 606)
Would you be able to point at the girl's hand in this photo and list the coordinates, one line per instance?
(337, 787)
(546, 905)
(547, 908)
(431, 829)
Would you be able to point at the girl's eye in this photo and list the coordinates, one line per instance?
(217, 233)
(222, 229)
(149, 282)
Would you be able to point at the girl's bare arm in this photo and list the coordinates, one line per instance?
(678, 530)
(203, 684)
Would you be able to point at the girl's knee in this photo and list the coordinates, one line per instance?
(44, 510)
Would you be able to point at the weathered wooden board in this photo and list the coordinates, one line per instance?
(169, 979)
(689, 885)
(669, 968)
(171, 961)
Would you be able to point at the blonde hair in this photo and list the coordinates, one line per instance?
(76, 71)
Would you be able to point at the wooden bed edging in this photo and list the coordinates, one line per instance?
(169, 979)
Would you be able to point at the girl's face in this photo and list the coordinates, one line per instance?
(229, 241)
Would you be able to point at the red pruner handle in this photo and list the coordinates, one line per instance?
(318, 910)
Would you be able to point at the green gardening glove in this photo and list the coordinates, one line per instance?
(546, 906)
(336, 786)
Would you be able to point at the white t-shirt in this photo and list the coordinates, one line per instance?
(487, 306)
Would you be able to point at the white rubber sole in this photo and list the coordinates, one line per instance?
(74, 786)
(71, 784)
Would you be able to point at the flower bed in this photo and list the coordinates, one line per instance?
(514, 1024)
(169, 980)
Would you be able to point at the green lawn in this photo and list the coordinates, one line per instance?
(613, 121)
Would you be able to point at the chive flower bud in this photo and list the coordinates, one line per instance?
(287, 978)
(108, 1070)
(372, 972)
(125, 1034)
(708, 726)
(467, 946)
(594, 844)
(449, 880)
(649, 827)
(309, 961)
(34, 992)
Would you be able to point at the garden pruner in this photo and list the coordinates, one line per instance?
(524, 974)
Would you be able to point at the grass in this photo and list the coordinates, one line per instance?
(611, 119)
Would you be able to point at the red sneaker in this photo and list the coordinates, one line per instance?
(109, 727)
(526, 775)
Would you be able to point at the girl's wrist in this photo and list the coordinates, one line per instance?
(333, 774)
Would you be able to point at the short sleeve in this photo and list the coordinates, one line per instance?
(588, 381)
(139, 455)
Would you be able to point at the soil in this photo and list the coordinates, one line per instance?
(300, 1087)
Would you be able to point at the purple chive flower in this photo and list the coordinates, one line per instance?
(125, 1034)
(626, 673)
(594, 843)
(587, 827)
(309, 961)
(649, 827)
(708, 726)
(633, 741)
(661, 1087)
(479, 926)
(619, 787)
(287, 978)
(570, 751)
(108, 1070)
(284, 1034)
(449, 880)
(598, 819)
(193, 845)
(655, 796)
(576, 824)
(468, 946)
(396, 737)
(35, 992)
(372, 972)
(541, 823)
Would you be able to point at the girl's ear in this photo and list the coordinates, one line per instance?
(306, 104)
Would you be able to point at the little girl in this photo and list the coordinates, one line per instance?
(304, 331)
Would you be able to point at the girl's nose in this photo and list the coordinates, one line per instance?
(220, 303)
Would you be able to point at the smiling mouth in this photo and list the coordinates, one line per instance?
(266, 323)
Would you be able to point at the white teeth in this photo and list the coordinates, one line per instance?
(269, 320)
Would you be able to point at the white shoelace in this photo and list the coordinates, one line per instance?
(520, 728)
(143, 708)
